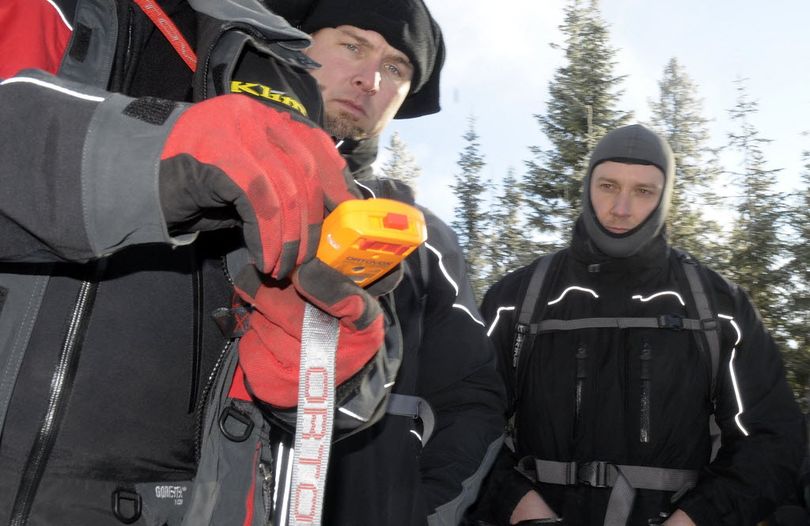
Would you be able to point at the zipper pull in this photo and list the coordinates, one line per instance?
(644, 375)
(521, 330)
(582, 355)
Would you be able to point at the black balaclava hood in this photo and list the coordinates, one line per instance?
(406, 25)
(634, 144)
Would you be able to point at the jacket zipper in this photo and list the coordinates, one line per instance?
(200, 407)
(209, 384)
(196, 337)
(582, 355)
(644, 427)
(61, 387)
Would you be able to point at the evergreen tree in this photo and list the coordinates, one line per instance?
(677, 115)
(582, 108)
(758, 255)
(797, 357)
(401, 165)
(508, 247)
(470, 223)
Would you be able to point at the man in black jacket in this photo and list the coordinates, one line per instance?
(399, 473)
(108, 347)
(613, 386)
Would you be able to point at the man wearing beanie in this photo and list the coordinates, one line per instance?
(165, 176)
(380, 60)
(616, 351)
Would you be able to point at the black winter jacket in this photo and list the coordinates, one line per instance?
(449, 362)
(641, 396)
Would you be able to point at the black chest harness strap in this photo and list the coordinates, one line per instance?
(666, 321)
(623, 479)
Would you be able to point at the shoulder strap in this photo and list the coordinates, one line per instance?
(528, 306)
(707, 317)
(416, 272)
(533, 290)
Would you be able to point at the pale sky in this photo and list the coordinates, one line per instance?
(500, 63)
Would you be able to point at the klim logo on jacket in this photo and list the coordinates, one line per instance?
(265, 92)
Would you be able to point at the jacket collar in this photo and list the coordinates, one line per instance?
(653, 256)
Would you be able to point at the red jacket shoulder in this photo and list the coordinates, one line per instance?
(35, 35)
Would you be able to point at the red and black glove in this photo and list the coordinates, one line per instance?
(231, 160)
(269, 351)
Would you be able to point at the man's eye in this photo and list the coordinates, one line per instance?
(354, 48)
(394, 70)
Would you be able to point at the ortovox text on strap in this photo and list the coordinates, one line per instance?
(314, 421)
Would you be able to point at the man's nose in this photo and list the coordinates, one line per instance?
(621, 205)
(368, 78)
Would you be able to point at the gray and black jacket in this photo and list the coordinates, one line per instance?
(108, 346)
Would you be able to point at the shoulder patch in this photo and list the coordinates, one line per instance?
(261, 91)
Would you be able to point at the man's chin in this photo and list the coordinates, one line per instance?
(344, 126)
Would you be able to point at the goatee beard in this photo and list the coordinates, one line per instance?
(343, 125)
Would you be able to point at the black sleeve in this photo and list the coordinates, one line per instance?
(79, 170)
(763, 433)
(500, 311)
(458, 377)
(504, 486)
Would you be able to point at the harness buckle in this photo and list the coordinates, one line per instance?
(670, 321)
(594, 474)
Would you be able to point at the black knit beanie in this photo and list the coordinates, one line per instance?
(407, 26)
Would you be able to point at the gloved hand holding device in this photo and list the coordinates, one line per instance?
(231, 161)
(366, 239)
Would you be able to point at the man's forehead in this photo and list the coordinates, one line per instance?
(616, 171)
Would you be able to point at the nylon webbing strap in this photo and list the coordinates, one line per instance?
(527, 307)
(414, 407)
(533, 290)
(624, 480)
(661, 322)
(605, 474)
(316, 406)
(620, 503)
(165, 25)
(704, 312)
